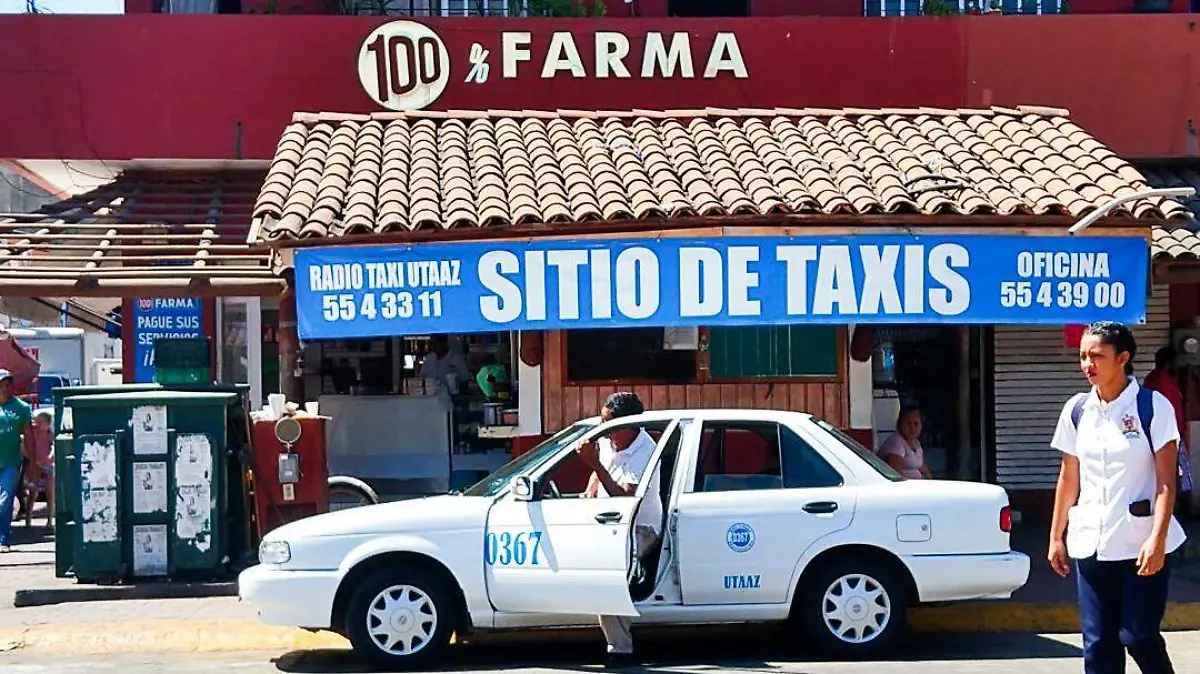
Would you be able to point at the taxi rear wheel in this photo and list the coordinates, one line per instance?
(401, 618)
(853, 608)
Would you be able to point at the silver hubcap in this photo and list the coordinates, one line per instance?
(401, 620)
(856, 608)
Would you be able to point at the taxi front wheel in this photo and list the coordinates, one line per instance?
(853, 608)
(401, 618)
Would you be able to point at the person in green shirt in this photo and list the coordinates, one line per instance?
(16, 417)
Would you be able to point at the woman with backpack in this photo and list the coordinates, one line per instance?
(1115, 501)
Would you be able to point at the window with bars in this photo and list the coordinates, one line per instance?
(914, 7)
(443, 8)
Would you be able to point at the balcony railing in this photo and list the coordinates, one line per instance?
(926, 7)
(449, 8)
(658, 8)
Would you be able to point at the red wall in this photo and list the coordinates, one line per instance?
(658, 8)
(122, 87)
(1185, 303)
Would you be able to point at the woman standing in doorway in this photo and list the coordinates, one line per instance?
(902, 450)
(1114, 501)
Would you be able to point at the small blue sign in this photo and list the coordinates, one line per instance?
(740, 537)
(368, 291)
(162, 318)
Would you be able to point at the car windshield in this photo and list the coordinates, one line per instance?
(497, 481)
(863, 453)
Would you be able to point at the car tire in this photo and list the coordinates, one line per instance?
(401, 618)
(852, 608)
(348, 492)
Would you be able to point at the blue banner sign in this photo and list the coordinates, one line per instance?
(417, 289)
(165, 318)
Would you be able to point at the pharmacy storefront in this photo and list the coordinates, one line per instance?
(837, 262)
(533, 329)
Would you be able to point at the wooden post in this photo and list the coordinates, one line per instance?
(290, 385)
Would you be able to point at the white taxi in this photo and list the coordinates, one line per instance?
(767, 516)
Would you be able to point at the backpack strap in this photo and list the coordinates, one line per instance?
(1077, 410)
(1145, 409)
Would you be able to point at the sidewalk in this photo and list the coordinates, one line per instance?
(31, 563)
(27, 576)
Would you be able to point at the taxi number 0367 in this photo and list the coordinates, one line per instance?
(512, 549)
(1064, 294)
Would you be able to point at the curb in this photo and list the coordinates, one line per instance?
(162, 590)
(1045, 618)
(165, 636)
(248, 635)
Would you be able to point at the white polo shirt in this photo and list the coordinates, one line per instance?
(1116, 468)
(629, 467)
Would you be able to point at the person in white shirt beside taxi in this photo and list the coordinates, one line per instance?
(1115, 501)
(620, 463)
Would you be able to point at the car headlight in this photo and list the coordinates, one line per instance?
(274, 552)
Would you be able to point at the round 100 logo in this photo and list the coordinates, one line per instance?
(403, 65)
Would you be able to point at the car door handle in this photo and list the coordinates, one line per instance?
(820, 507)
(608, 518)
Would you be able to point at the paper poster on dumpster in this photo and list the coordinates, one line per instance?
(193, 509)
(98, 491)
(150, 429)
(149, 487)
(193, 459)
(150, 550)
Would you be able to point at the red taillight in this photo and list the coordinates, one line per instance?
(1006, 519)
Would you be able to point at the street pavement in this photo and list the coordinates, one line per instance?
(927, 654)
(31, 564)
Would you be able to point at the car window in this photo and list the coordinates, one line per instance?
(570, 475)
(739, 456)
(803, 466)
(496, 482)
(871, 458)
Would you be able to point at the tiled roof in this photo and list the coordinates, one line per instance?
(148, 232)
(1174, 244)
(1181, 242)
(336, 175)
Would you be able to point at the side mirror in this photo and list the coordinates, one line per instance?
(522, 488)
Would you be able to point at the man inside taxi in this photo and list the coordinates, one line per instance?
(619, 463)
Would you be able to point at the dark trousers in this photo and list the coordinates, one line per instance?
(1121, 610)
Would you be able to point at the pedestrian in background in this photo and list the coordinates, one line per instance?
(1162, 380)
(39, 466)
(1115, 501)
(15, 421)
(902, 450)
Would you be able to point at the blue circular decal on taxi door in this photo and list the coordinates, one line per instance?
(740, 537)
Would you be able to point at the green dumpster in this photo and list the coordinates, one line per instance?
(61, 393)
(145, 487)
